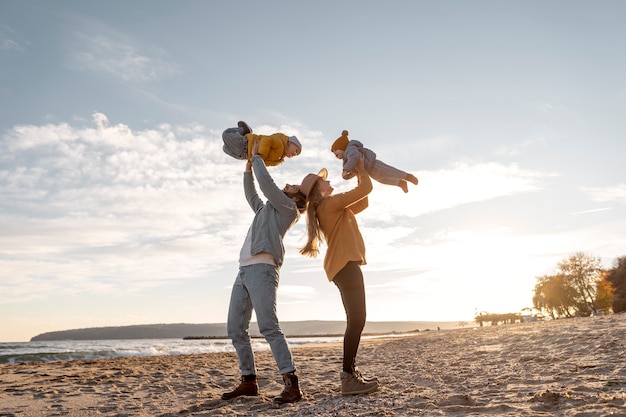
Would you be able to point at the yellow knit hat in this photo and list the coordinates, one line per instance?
(341, 142)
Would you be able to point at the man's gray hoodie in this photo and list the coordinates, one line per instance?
(274, 218)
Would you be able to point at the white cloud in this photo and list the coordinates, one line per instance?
(461, 183)
(99, 208)
(549, 107)
(91, 197)
(9, 40)
(436, 145)
(121, 59)
(9, 44)
(592, 211)
(527, 145)
(606, 194)
(296, 293)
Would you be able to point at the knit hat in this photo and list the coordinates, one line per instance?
(310, 180)
(341, 142)
(295, 141)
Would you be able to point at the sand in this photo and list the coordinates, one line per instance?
(572, 367)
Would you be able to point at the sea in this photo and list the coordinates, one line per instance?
(68, 350)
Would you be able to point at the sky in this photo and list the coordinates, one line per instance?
(119, 207)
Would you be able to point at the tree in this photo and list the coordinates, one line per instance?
(576, 290)
(582, 272)
(617, 277)
(604, 293)
(553, 297)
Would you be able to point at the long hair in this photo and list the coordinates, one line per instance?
(314, 233)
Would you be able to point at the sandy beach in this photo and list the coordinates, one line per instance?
(573, 367)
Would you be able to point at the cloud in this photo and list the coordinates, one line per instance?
(461, 183)
(9, 44)
(96, 207)
(9, 40)
(547, 108)
(607, 194)
(592, 211)
(437, 145)
(120, 58)
(527, 145)
(112, 202)
(290, 294)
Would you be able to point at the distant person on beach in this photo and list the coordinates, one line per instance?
(273, 149)
(351, 150)
(332, 218)
(256, 285)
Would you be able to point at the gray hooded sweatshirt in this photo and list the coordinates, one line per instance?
(274, 218)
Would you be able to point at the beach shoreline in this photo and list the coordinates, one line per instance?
(571, 367)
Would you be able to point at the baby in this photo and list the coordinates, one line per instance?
(238, 143)
(350, 151)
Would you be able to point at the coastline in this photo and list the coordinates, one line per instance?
(180, 330)
(559, 367)
(310, 336)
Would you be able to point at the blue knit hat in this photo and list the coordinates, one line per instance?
(295, 141)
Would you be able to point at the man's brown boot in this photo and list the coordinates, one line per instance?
(292, 392)
(248, 387)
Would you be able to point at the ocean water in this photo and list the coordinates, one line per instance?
(14, 353)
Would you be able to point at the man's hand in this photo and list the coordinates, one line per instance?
(255, 147)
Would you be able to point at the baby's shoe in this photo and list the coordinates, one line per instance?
(244, 127)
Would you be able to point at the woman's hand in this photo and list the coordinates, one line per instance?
(360, 166)
(249, 166)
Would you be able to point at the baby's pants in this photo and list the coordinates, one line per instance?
(235, 143)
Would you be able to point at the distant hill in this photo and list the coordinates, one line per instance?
(180, 330)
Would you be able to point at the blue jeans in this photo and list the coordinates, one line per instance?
(255, 289)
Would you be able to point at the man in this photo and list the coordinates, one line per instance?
(256, 285)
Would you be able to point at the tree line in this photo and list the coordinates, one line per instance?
(581, 288)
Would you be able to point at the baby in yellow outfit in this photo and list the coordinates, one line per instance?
(274, 148)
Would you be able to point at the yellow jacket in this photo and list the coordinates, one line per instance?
(271, 148)
(340, 229)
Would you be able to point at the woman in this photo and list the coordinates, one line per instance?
(256, 285)
(331, 218)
